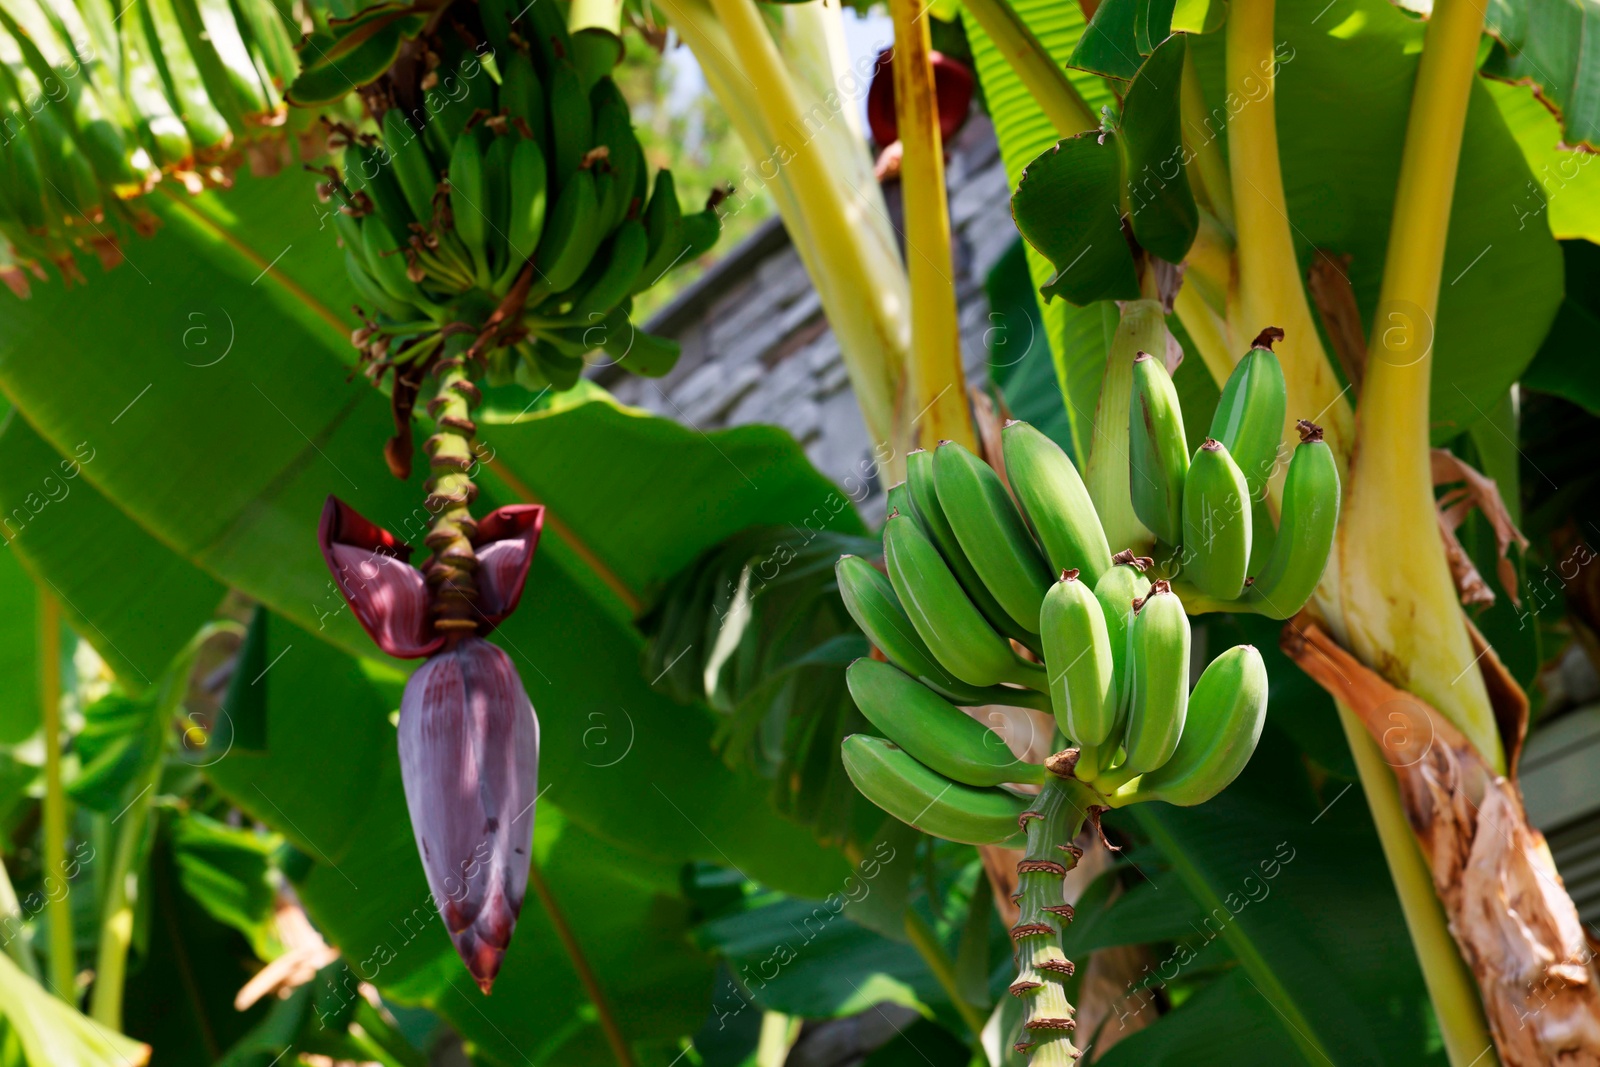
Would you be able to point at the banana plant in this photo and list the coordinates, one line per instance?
(1414, 629)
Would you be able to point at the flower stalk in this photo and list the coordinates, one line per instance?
(1042, 967)
(63, 965)
(451, 491)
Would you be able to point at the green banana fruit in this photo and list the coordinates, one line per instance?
(613, 130)
(1055, 502)
(663, 223)
(938, 734)
(385, 259)
(1217, 524)
(410, 164)
(957, 634)
(1226, 713)
(922, 482)
(1310, 514)
(623, 261)
(469, 202)
(1077, 655)
(570, 238)
(571, 122)
(1250, 413)
(991, 533)
(525, 223)
(894, 781)
(1158, 453)
(871, 602)
(1118, 590)
(522, 96)
(1158, 670)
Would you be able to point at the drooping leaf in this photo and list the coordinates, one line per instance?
(1161, 207)
(353, 52)
(1569, 184)
(1068, 206)
(1544, 42)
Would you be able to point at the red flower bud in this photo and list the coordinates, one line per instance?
(469, 758)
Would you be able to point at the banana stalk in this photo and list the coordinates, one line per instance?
(63, 966)
(789, 126)
(1042, 967)
(938, 398)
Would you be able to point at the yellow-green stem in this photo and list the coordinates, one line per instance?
(1045, 80)
(1198, 134)
(1450, 984)
(938, 382)
(1270, 292)
(926, 942)
(863, 291)
(1398, 601)
(58, 910)
(122, 888)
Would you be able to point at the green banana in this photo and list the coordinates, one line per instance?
(623, 261)
(410, 164)
(894, 781)
(387, 263)
(700, 231)
(1077, 655)
(571, 122)
(527, 208)
(663, 223)
(938, 734)
(364, 170)
(871, 602)
(1226, 713)
(469, 200)
(379, 301)
(570, 238)
(1310, 514)
(497, 175)
(922, 482)
(1249, 416)
(991, 533)
(1158, 455)
(1216, 522)
(957, 634)
(522, 95)
(1118, 590)
(1055, 502)
(613, 129)
(1158, 669)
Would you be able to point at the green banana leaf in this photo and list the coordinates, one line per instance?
(50, 1033)
(1542, 42)
(1571, 187)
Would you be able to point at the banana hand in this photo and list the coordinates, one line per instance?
(894, 781)
(991, 533)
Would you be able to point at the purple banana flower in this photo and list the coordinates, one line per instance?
(469, 738)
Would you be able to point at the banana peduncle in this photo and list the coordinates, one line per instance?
(1042, 967)
(452, 569)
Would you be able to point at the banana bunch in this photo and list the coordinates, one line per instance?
(100, 99)
(968, 614)
(516, 200)
(1209, 509)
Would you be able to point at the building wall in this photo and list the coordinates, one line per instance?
(756, 347)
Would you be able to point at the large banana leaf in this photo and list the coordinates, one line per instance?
(330, 783)
(228, 464)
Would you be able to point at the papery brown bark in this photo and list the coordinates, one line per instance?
(1507, 907)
